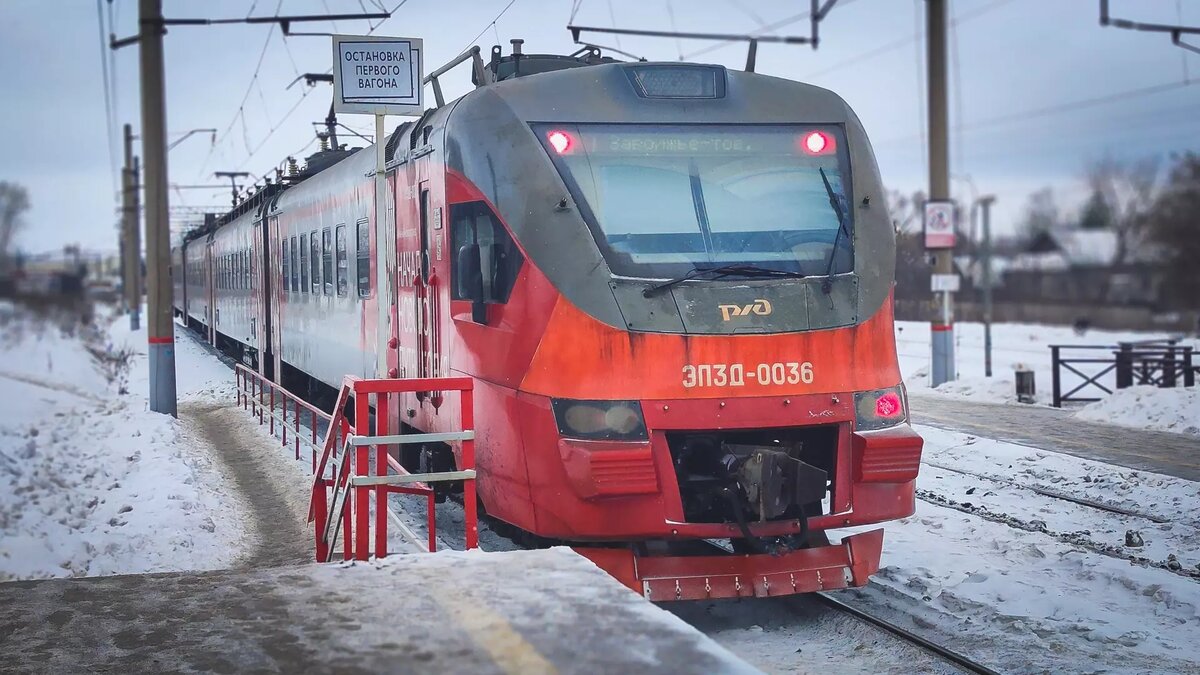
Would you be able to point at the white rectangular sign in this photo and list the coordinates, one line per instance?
(944, 282)
(939, 224)
(377, 75)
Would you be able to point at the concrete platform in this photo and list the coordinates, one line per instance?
(512, 612)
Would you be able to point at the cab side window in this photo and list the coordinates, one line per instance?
(476, 233)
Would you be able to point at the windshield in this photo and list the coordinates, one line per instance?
(663, 200)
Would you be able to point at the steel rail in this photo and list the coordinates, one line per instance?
(957, 659)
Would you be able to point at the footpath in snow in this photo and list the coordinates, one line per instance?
(91, 482)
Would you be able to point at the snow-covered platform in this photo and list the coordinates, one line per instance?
(520, 611)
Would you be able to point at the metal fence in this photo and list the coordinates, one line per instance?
(1159, 363)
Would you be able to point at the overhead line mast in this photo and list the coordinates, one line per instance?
(160, 313)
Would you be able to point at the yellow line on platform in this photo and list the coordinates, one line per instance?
(509, 650)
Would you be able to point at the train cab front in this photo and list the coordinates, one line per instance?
(728, 497)
(710, 385)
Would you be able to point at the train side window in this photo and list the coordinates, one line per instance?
(473, 223)
(327, 260)
(363, 260)
(343, 263)
(286, 266)
(425, 235)
(314, 261)
(250, 268)
(304, 263)
(295, 280)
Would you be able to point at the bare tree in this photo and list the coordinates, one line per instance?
(1174, 229)
(14, 201)
(1041, 214)
(1127, 189)
(907, 211)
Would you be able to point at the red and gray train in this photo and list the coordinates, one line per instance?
(671, 284)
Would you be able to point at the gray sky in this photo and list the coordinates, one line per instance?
(1027, 79)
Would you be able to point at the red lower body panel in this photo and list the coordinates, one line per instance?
(662, 578)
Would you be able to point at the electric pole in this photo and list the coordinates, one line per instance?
(161, 335)
(985, 204)
(942, 328)
(132, 251)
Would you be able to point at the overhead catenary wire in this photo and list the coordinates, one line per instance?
(475, 39)
(109, 124)
(915, 36)
(240, 112)
(252, 152)
(920, 73)
(782, 23)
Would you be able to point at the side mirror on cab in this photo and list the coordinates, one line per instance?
(469, 280)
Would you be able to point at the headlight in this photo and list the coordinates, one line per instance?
(599, 420)
(881, 408)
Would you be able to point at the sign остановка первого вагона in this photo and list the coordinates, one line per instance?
(377, 74)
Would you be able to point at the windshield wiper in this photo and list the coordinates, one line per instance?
(713, 273)
(827, 285)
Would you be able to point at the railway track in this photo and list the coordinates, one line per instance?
(961, 661)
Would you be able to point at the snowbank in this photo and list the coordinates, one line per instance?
(1027, 346)
(1146, 407)
(91, 482)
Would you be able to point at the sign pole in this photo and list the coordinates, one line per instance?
(380, 76)
(383, 294)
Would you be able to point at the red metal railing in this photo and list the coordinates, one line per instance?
(263, 398)
(347, 476)
(350, 465)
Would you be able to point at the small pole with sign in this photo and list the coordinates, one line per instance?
(940, 236)
(381, 76)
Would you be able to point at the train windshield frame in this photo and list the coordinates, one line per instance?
(664, 199)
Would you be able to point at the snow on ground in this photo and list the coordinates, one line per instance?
(1027, 346)
(1146, 407)
(91, 482)
(993, 566)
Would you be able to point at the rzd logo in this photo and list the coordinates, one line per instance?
(759, 307)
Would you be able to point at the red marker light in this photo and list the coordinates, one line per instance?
(561, 141)
(817, 143)
(888, 405)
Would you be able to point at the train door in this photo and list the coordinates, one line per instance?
(430, 291)
(407, 270)
(261, 297)
(210, 291)
(274, 298)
